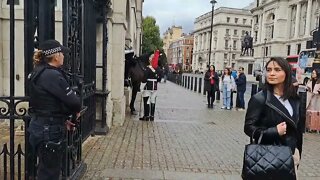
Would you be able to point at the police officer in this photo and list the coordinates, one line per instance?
(51, 102)
(150, 90)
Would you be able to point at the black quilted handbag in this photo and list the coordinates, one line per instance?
(266, 162)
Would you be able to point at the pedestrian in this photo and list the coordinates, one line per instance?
(241, 82)
(234, 75)
(150, 89)
(211, 85)
(227, 86)
(313, 85)
(165, 73)
(273, 114)
(52, 100)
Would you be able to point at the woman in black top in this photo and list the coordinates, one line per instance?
(211, 84)
(275, 111)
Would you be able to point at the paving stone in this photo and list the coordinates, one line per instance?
(186, 140)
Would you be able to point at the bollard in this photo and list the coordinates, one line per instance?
(182, 80)
(200, 85)
(195, 84)
(188, 87)
(303, 111)
(185, 82)
(191, 86)
(254, 89)
(218, 95)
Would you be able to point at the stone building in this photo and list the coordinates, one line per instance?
(283, 28)
(170, 35)
(229, 26)
(180, 53)
(124, 31)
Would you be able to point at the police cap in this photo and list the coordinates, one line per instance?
(52, 46)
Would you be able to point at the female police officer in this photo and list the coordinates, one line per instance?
(51, 102)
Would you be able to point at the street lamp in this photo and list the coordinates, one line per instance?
(264, 52)
(230, 55)
(213, 2)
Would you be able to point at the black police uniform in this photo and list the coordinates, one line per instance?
(51, 101)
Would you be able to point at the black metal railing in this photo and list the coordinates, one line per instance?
(18, 161)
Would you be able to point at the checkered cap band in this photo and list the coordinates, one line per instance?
(52, 51)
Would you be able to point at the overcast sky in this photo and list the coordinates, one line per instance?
(183, 12)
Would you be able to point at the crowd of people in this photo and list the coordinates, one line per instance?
(232, 82)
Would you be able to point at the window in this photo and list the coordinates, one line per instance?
(225, 55)
(236, 20)
(228, 19)
(298, 48)
(250, 68)
(234, 44)
(233, 56)
(243, 32)
(244, 21)
(255, 36)
(266, 52)
(288, 50)
(226, 43)
(235, 32)
(16, 2)
(257, 19)
(227, 31)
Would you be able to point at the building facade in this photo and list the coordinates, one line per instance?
(171, 34)
(283, 28)
(124, 31)
(180, 53)
(229, 27)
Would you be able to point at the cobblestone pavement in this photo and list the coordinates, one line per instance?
(186, 141)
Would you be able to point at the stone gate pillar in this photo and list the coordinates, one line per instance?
(119, 27)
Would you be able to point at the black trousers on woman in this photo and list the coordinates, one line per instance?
(211, 96)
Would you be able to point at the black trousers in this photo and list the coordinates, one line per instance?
(211, 95)
(50, 163)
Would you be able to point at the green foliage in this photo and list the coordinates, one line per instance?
(151, 35)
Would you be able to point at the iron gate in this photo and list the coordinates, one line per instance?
(79, 34)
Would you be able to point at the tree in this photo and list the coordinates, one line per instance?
(151, 35)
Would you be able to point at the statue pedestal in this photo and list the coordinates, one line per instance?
(245, 61)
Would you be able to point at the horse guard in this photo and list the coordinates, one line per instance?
(79, 34)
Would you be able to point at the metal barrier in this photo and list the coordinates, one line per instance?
(80, 19)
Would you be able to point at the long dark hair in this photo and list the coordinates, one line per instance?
(288, 90)
(317, 70)
(214, 68)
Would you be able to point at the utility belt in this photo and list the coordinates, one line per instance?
(46, 120)
(152, 84)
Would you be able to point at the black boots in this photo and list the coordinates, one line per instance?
(146, 109)
(153, 107)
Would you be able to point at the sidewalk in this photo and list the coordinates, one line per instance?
(186, 141)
